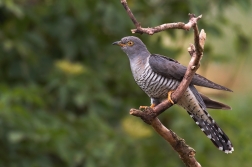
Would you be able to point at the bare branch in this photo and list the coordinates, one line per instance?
(151, 31)
(196, 55)
(187, 154)
(126, 7)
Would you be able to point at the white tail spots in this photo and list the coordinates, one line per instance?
(220, 130)
(227, 151)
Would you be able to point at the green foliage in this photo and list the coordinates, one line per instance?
(66, 91)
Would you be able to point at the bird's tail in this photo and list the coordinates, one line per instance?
(214, 133)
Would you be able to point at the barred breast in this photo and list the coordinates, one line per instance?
(153, 84)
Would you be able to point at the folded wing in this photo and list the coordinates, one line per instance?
(170, 68)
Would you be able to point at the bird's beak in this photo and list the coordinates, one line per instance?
(119, 43)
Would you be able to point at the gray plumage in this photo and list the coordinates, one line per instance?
(170, 68)
(156, 75)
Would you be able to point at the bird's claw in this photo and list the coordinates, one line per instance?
(169, 96)
(145, 107)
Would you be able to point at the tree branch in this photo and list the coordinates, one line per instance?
(151, 31)
(186, 153)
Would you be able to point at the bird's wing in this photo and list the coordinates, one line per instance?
(214, 104)
(198, 96)
(170, 68)
(206, 102)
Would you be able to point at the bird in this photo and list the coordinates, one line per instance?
(159, 75)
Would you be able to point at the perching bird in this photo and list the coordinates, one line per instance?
(158, 75)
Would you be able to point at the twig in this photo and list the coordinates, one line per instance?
(151, 31)
(187, 154)
(126, 7)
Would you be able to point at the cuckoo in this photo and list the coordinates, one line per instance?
(158, 75)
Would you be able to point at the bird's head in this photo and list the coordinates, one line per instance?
(132, 46)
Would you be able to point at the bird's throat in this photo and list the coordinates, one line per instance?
(137, 66)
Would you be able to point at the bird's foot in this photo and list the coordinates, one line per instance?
(169, 96)
(144, 107)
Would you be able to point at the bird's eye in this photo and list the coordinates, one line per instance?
(130, 43)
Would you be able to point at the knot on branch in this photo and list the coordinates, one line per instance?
(181, 147)
(192, 21)
(147, 115)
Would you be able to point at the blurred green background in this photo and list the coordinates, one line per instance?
(65, 91)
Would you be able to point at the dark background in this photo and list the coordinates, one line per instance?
(65, 91)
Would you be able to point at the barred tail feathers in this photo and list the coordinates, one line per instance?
(192, 102)
(214, 133)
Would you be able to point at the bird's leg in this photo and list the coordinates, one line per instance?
(152, 105)
(169, 96)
